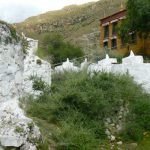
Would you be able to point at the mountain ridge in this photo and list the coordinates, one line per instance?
(75, 22)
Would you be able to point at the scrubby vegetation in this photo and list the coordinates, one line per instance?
(14, 37)
(73, 115)
(137, 13)
(24, 44)
(38, 84)
(12, 31)
(53, 45)
(137, 21)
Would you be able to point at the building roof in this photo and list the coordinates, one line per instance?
(118, 15)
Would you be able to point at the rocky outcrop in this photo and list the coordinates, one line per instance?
(35, 67)
(16, 130)
(11, 66)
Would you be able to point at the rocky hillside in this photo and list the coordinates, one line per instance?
(80, 24)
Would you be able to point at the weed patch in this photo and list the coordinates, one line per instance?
(79, 104)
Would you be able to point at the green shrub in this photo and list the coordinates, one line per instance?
(19, 129)
(42, 145)
(133, 132)
(59, 50)
(74, 137)
(12, 30)
(31, 125)
(38, 83)
(79, 104)
(25, 45)
(138, 119)
(13, 33)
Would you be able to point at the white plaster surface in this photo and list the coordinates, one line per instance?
(132, 59)
(84, 64)
(32, 68)
(107, 61)
(132, 64)
(13, 84)
(66, 66)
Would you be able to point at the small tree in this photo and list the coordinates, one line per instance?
(138, 19)
(59, 49)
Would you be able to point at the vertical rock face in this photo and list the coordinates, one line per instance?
(34, 66)
(16, 130)
(11, 65)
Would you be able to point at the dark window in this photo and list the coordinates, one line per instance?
(114, 28)
(106, 44)
(123, 42)
(114, 44)
(106, 31)
(133, 38)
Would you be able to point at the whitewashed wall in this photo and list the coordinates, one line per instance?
(33, 68)
(11, 66)
(133, 65)
(14, 74)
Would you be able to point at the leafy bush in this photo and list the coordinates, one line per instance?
(42, 145)
(55, 46)
(38, 83)
(19, 129)
(138, 119)
(13, 33)
(25, 45)
(79, 104)
(12, 30)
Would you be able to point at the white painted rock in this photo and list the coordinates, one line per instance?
(107, 61)
(119, 143)
(139, 72)
(66, 66)
(84, 64)
(112, 138)
(14, 125)
(34, 66)
(132, 59)
(107, 132)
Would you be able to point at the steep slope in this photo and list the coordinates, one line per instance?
(79, 24)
